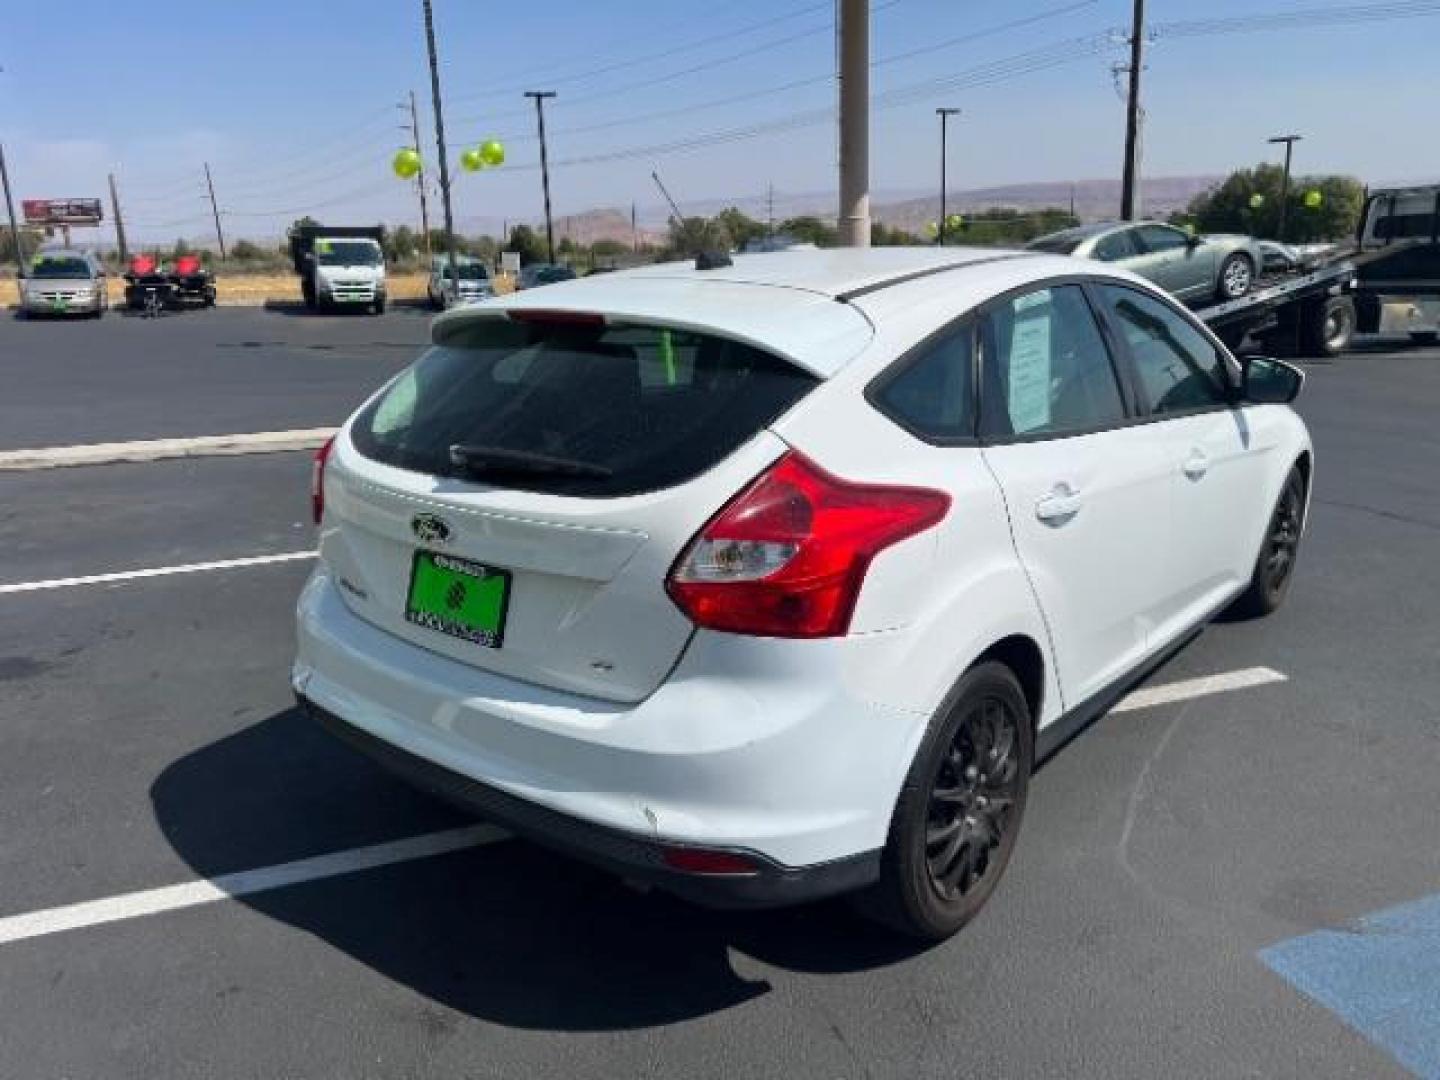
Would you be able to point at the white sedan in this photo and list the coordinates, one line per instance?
(775, 579)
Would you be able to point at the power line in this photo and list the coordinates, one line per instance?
(1302, 19)
(650, 57)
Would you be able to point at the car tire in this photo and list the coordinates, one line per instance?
(1328, 327)
(1275, 564)
(1236, 278)
(378, 307)
(1425, 337)
(960, 809)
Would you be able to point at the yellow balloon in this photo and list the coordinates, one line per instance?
(493, 152)
(471, 160)
(1313, 199)
(406, 164)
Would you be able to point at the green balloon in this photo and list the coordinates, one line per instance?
(493, 152)
(1256, 201)
(953, 222)
(472, 160)
(1313, 200)
(406, 164)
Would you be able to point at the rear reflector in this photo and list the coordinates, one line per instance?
(700, 861)
(317, 480)
(789, 554)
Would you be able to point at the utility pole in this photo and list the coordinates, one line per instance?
(440, 148)
(10, 209)
(1129, 195)
(540, 96)
(634, 230)
(944, 114)
(119, 222)
(854, 75)
(420, 179)
(214, 209)
(1289, 141)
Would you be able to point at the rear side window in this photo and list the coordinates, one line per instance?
(1047, 369)
(932, 394)
(1158, 238)
(598, 411)
(1116, 246)
(1180, 369)
(1056, 245)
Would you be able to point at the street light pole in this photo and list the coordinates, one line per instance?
(540, 96)
(440, 148)
(420, 178)
(944, 114)
(1289, 141)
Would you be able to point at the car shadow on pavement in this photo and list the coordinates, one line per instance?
(508, 932)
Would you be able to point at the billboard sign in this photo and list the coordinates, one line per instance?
(62, 211)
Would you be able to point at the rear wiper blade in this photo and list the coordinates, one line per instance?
(495, 459)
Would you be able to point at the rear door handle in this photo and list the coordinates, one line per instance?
(1060, 506)
(1196, 465)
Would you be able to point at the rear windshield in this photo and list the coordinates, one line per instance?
(596, 411)
(1056, 245)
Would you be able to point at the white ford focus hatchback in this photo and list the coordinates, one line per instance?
(774, 579)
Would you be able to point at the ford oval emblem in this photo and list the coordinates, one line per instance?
(430, 529)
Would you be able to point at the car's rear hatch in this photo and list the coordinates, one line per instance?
(557, 465)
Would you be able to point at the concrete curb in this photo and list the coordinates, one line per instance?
(260, 442)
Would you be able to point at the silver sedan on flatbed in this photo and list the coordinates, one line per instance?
(1192, 268)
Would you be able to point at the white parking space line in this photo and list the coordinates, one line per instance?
(256, 442)
(136, 905)
(154, 572)
(1187, 689)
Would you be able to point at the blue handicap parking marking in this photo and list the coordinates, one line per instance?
(1381, 976)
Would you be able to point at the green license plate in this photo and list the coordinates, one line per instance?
(60, 304)
(458, 597)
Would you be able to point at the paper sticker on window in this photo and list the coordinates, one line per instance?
(1030, 363)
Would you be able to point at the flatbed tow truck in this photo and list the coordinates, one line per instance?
(1387, 282)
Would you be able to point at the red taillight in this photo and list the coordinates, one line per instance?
(787, 557)
(703, 861)
(555, 317)
(317, 480)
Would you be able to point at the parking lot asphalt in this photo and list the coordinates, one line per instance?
(204, 372)
(149, 741)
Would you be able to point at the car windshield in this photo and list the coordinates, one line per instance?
(60, 266)
(347, 253)
(1056, 245)
(468, 272)
(604, 410)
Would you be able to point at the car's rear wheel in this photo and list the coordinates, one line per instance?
(959, 812)
(1328, 326)
(1275, 565)
(1237, 277)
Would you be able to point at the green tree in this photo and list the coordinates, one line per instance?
(1233, 206)
(402, 244)
(301, 223)
(697, 234)
(882, 235)
(810, 230)
(739, 226)
(29, 241)
(246, 251)
(528, 243)
(182, 247)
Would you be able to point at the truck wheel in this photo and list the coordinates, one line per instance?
(378, 307)
(1237, 276)
(1328, 327)
(307, 290)
(1425, 337)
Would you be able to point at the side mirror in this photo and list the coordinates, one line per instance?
(1265, 381)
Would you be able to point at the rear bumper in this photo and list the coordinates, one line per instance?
(633, 857)
(750, 746)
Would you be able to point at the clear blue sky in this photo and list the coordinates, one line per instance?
(292, 102)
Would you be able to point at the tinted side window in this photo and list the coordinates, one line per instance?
(1047, 370)
(1179, 367)
(933, 393)
(1157, 238)
(1114, 247)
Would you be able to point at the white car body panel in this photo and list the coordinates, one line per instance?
(605, 703)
